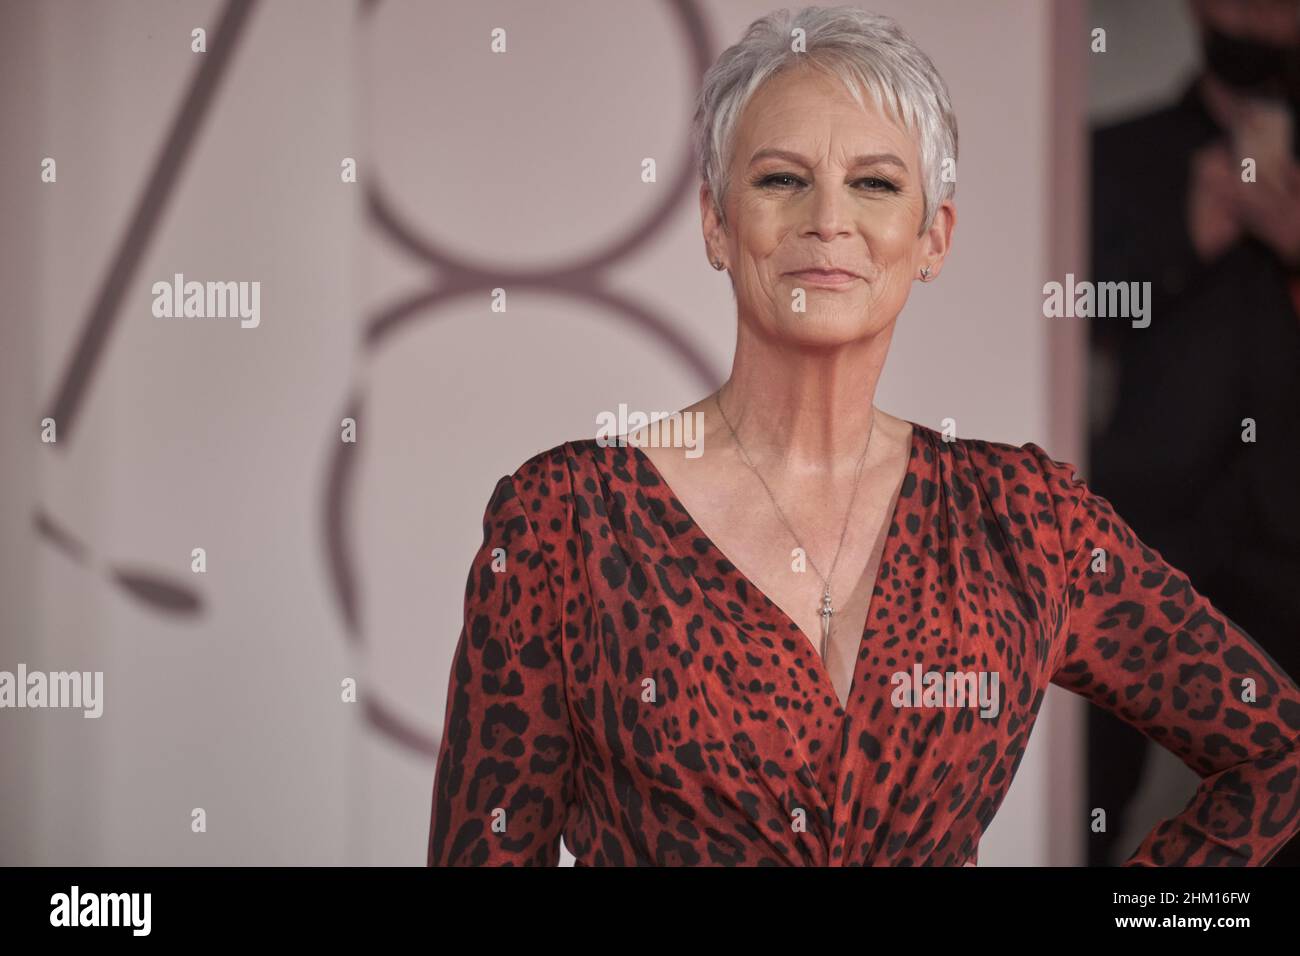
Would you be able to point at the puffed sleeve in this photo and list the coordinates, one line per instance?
(504, 777)
(1139, 641)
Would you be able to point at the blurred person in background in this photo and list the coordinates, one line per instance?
(1173, 204)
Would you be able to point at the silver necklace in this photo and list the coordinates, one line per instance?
(827, 609)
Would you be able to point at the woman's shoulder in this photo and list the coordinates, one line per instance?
(1008, 471)
(545, 481)
(561, 463)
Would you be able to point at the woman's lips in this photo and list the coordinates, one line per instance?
(829, 278)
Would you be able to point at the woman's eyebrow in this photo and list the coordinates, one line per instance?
(866, 159)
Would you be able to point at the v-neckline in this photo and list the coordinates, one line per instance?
(902, 497)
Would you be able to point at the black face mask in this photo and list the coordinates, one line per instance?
(1253, 67)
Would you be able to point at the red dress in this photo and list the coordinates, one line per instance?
(618, 681)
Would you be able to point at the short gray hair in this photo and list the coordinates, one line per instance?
(865, 50)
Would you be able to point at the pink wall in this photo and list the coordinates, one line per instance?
(326, 560)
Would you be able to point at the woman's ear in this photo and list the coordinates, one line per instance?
(714, 231)
(937, 240)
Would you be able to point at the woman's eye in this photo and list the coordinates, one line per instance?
(782, 180)
(775, 179)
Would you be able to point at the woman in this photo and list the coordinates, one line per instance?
(825, 641)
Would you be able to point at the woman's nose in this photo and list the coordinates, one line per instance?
(827, 212)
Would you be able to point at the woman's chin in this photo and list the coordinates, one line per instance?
(823, 329)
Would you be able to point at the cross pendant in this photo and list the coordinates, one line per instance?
(827, 611)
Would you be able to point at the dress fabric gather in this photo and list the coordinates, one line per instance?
(619, 682)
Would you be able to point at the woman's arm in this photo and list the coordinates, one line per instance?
(1142, 643)
(505, 774)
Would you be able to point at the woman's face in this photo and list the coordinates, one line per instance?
(816, 182)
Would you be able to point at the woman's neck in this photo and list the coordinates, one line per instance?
(804, 411)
